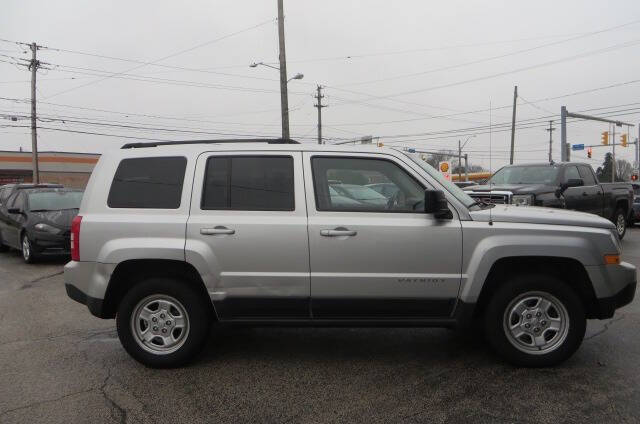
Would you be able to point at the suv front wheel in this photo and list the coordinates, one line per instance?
(535, 321)
(163, 322)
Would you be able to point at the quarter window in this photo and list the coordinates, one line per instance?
(249, 183)
(364, 185)
(153, 183)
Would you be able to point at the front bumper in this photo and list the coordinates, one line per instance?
(50, 244)
(614, 286)
(607, 306)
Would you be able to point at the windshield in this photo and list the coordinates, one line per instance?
(54, 200)
(456, 191)
(543, 174)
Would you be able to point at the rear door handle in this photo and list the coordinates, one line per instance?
(217, 230)
(338, 232)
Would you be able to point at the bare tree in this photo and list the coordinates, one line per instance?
(623, 170)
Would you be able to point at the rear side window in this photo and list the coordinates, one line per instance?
(249, 183)
(150, 183)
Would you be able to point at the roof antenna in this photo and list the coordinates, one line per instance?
(490, 165)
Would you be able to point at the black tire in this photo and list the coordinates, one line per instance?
(28, 254)
(495, 320)
(3, 247)
(620, 220)
(199, 316)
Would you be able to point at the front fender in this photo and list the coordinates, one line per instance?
(484, 245)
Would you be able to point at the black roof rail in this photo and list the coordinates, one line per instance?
(222, 141)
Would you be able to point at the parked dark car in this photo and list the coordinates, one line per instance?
(37, 221)
(567, 185)
(8, 189)
(635, 213)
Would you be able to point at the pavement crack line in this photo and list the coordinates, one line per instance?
(42, 402)
(605, 328)
(44, 277)
(86, 337)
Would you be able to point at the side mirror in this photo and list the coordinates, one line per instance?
(572, 182)
(14, 210)
(435, 202)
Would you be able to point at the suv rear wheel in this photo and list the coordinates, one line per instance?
(163, 322)
(535, 321)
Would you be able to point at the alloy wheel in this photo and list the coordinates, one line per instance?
(620, 224)
(26, 248)
(160, 324)
(536, 323)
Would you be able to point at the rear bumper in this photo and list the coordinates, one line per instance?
(86, 282)
(95, 305)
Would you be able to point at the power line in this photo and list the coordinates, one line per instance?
(512, 71)
(215, 40)
(576, 93)
(501, 56)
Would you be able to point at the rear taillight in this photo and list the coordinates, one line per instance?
(75, 238)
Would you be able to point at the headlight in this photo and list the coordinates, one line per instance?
(47, 228)
(522, 200)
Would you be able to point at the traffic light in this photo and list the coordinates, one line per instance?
(605, 138)
(589, 152)
(623, 140)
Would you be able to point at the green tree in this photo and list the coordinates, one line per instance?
(623, 169)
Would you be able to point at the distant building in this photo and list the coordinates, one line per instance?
(69, 169)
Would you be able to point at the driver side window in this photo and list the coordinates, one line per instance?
(571, 173)
(364, 185)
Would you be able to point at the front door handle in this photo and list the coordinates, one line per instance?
(338, 232)
(217, 230)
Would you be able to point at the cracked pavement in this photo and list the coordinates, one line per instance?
(59, 364)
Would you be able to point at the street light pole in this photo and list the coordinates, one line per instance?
(284, 99)
(460, 157)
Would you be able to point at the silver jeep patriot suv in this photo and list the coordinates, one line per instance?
(172, 237)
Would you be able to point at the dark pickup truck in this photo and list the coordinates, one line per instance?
(567, 185)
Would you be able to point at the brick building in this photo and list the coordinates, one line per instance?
(70, 169)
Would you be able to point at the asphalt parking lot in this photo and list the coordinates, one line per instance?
(58, 364)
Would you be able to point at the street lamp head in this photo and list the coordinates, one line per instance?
(253, 65)
(298, 76)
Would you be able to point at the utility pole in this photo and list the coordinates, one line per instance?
(513, 122)
(460, 161)
(34, 135)
(613, 146)
(466, 167)
(284, 99)
(638, 150)
(319, 105)
(550, 129)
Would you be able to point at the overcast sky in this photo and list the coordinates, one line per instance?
(390, 69)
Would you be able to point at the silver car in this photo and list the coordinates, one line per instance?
(172, 237)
